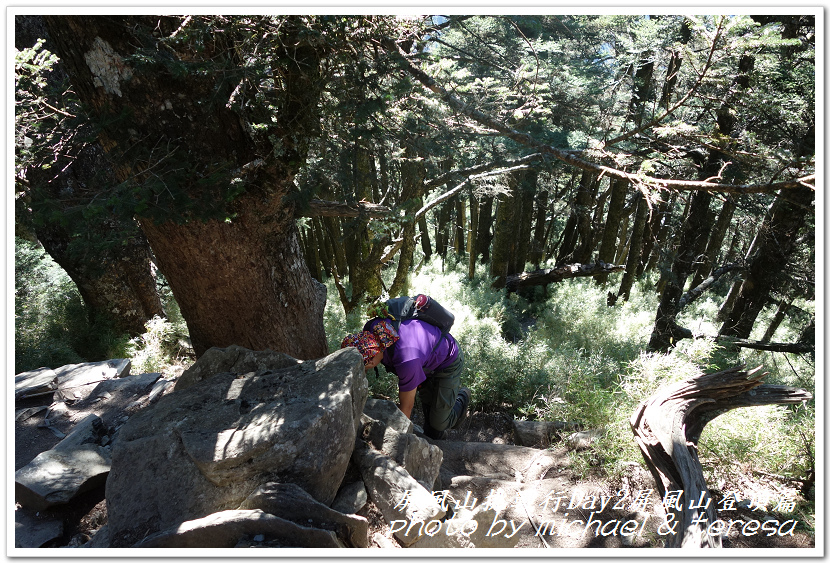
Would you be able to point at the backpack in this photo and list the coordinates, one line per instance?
(421, 307)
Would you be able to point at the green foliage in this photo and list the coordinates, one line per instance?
(51, 324)
(40, 108)
(52, 328)
(569, 357)
(161, 349)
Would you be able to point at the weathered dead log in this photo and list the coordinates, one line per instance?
(790, 347)
(667, 428)
(364, 209)
(553, 275)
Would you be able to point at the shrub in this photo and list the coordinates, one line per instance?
(161, 349)
(51, 327)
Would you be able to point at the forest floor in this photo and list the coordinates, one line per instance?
(497, 428)
(88, 514)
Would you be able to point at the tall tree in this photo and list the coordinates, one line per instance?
(207, 148)
(59, 172)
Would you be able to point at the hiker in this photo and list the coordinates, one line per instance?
(426, 361)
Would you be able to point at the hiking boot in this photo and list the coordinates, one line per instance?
(460, 407)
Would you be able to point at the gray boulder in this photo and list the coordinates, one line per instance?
(76, 381)
(350, 498)
(290, 502)
(584, 439)
(75, 465)
(540, 433)
(35, 531)
(69, 382)
(417, 456)
(233, 359)
(399, 497)
(207, 447)
(226, 528)
(388, 413)
(34, 383)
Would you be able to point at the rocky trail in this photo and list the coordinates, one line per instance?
(108, 459)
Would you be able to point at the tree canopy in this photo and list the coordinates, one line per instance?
(367, 126)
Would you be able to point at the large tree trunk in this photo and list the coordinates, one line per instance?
(667, 427)
(235, 268)
(109, 260)
(231, 270)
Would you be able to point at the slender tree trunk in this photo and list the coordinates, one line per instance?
(715, 243)
(642, 88)
(412, 180)
(472, 242)
(364, 266)
(485, 223)
(537, 245)
(777, 318)
(665, 333)
(426, 246)
(635, 248)
(672, 72)
(311, 252)
(608, 244)
(729, 302)
(658, 235)
(323, 246)
(772, 248)
(578, 226)
(460, 227)
(443, 231)
(527, 194)
(334, 239)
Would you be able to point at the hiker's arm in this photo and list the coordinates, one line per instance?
(407, 401)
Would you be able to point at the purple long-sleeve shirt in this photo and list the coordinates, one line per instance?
(412, 357)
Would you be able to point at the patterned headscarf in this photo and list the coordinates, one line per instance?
(369, 343)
